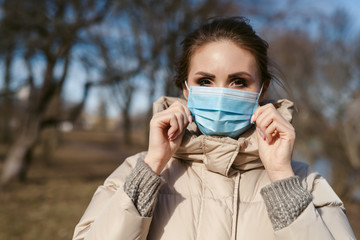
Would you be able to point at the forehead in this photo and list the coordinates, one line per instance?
(223, 56)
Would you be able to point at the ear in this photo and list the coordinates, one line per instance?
(265, 88)
(185, 91)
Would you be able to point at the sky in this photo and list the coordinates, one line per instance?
(328, 6)
(77, 77)
(324, 6)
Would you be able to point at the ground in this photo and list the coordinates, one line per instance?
(56, 194)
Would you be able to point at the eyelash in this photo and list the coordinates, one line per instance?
(239, 81)
(235, 82)
(203, 81)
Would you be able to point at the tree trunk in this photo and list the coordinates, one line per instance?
(6, 111)
(26, 165)
(18, 158)
(5, 136)
(50, 141)
(127, 126)
(149, 113)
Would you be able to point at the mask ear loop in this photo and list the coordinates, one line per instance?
(257, 100)
(187, 85)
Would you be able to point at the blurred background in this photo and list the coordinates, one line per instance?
(78, 78)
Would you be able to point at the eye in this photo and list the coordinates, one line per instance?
(204, 82)
(238, 83)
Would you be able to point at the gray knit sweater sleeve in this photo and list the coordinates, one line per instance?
(285, 200)
(142, 186)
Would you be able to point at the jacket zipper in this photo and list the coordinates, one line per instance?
(235, 206)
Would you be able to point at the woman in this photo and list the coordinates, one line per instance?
(218, 165)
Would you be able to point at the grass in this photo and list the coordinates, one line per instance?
(47, 210)
(56, 194)
(52, 201)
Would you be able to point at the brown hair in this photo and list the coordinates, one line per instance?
(234, 29)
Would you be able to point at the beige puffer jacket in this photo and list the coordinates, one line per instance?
(211, 191)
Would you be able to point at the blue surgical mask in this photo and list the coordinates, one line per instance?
(222, 111)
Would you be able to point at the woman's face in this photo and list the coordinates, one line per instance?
(223, 64)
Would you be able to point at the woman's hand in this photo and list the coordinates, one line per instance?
(276, 137)
(167, 129)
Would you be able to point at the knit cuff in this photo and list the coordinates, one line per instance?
(142, 186)
(285, 200)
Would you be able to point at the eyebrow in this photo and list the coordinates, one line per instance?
(205, 74)
(237, 74)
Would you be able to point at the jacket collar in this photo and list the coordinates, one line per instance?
(222, 154)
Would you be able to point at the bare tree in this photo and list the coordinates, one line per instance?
(145, 45)
(44, 29)
(322, 74)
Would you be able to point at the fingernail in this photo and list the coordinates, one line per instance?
(170, 136)
(173, 137)
(190, 118)
(267, 140)
(252, 119)
(261, 134)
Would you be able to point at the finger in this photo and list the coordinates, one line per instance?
(174, 126)
(176, 140)
(253, 117)
(183, 108)
(269, 116)
(188, 114)
(182, 121)
(265, 108)
(258, 112)
(260, 134)
(279, 130)
(174, 119)
(271, 132)
(173, 109)
(269, 111)
(181, 126)
(263, 121)
(184, 116)
(264, 118)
